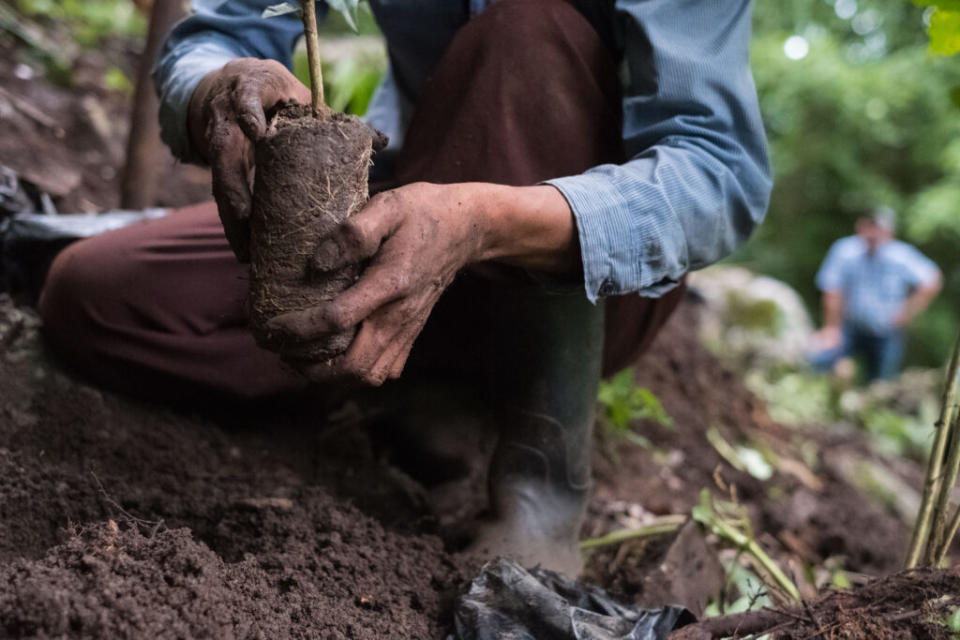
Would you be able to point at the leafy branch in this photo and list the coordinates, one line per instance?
(622, 402)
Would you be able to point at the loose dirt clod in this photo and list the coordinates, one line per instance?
(311, 175)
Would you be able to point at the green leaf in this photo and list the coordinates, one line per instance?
(281, 9)
(945, 32)
(955, 96)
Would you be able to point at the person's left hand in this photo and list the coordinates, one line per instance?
(416, 237)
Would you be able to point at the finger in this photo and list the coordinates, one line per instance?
(248, 105)
(356, 362)
(229, 164)
(360, 237)
(400, 362)
(397, 350)
(380, 284)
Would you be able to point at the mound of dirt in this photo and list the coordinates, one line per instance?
(218, 536)
(265, 523)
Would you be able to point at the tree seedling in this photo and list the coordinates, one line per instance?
(307, 9)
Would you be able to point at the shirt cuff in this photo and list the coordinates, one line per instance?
(176, 85)
(613, 239)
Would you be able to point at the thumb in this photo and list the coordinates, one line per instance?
(230, 152)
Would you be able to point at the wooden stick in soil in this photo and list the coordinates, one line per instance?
(931, 485)
(312, 37)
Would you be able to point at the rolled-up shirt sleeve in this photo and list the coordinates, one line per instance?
(698, 180)
(217, 32)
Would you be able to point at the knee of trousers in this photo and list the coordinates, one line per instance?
(80, 295)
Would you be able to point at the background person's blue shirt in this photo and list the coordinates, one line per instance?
(698, 181)
(874, 286)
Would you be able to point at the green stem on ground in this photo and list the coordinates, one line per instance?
(661, 526)
(749, 545)
(309, 15)
(932, 482)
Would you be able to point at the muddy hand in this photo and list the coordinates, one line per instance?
(416, 237)
(227, 114)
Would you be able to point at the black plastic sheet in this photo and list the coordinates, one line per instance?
(507, 602)
(32, 234)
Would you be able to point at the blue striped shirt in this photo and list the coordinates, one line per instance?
(874, 286)
(697, 181)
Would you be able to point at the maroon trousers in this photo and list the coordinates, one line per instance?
(525, 92)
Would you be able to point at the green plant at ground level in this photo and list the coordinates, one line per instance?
(623, 402)
(730, 522)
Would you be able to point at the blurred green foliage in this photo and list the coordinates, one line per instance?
(88, 21)
(861, 115)
(623, 402)
(348, 82)
(761, 315)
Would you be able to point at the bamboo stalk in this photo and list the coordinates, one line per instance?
(931, 485)
(661, 526)
(313, 54)
(948, 538)
(938, 529)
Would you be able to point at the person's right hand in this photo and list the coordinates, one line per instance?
(227, 115)
(827, 339)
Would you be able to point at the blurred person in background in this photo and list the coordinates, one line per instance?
(873, 286)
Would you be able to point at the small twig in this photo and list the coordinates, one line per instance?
(813, 618)
(154, 525)
(29, 110)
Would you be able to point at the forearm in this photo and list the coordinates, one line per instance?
(833, 305)
(528, 227)
(918, 301)
(205, 42)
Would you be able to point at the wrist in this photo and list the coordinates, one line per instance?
(530, 227)
(196, 125)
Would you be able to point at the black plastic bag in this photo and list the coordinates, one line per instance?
(507, 602)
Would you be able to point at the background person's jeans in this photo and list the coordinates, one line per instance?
(880, 354)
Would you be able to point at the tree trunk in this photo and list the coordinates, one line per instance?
(139, 185)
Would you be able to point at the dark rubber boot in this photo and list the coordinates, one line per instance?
(546, 369)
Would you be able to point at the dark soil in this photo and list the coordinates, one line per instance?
(254, 525)
(216, 534)
(312, 174)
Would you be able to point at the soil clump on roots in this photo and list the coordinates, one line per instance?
(312, 174)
